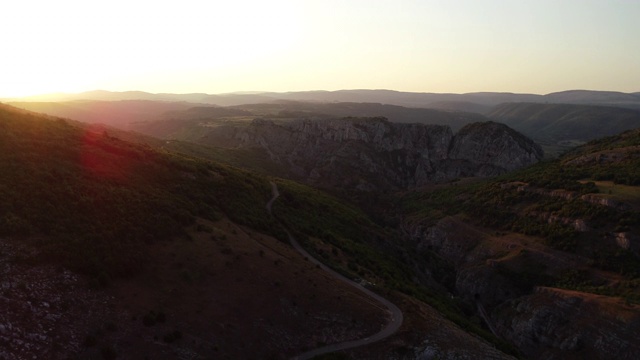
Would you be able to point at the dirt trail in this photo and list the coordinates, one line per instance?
(394, 312)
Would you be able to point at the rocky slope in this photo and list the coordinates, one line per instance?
(550, 324)
(496, 274)
(374, 154)
(547, 257)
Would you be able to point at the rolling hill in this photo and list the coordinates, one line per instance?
(478, 101)
(152, 117)
(117, 113)
(562, 126)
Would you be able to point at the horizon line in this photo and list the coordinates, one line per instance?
(250, 92)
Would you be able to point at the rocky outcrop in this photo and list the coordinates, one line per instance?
(372, 153)
(500, 274)
(579, 225)
(628, 241)
(495, 145)
(610, 156)
(596, 199)
(554, 324)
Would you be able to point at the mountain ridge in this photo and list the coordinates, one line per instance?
(380, 155)
(393, 97)
(565, 122)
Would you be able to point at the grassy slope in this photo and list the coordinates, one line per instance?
(94, 200)
(113, 208)
(553, 123)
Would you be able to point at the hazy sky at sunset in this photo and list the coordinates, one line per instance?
(536, 46)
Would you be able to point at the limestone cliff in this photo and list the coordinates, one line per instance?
(374, 154)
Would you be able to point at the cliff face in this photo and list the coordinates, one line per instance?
(493, 273)
(549, 264)
(497, 273)
(496, 145)
(372, 153)
(551, 324)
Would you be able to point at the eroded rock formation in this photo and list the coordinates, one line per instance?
(374, 154)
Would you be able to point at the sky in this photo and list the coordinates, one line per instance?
(188, 46)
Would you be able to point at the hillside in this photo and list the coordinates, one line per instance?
(590, 97)
(108, 188)
(394, 113)
(549, 256)
(116, 245)
(167, 119)
(113, 249)
(113, 113)
(564, 125)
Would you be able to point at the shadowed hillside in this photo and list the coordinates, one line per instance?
(113, 195)
(119, 249)
(562, 125)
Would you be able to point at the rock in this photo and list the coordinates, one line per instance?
(628, 241)
(494, 146)
(374, 154)
(598, 199)
(554, 323)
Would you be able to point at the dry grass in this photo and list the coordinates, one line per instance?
(623, 193)
(236, 293)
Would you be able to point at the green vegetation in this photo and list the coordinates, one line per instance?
(619, 192)
(612, 158)
(93, 201)
(309, 212)
(547, 201)
(372, 252)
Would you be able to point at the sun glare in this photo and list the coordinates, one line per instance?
(287, 45)
(125, 45)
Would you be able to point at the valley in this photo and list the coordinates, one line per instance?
(298, 228)
(320, 180)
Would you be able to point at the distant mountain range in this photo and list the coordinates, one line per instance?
(473, 102)
(557, 121)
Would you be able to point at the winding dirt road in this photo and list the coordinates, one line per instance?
(394, 312)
